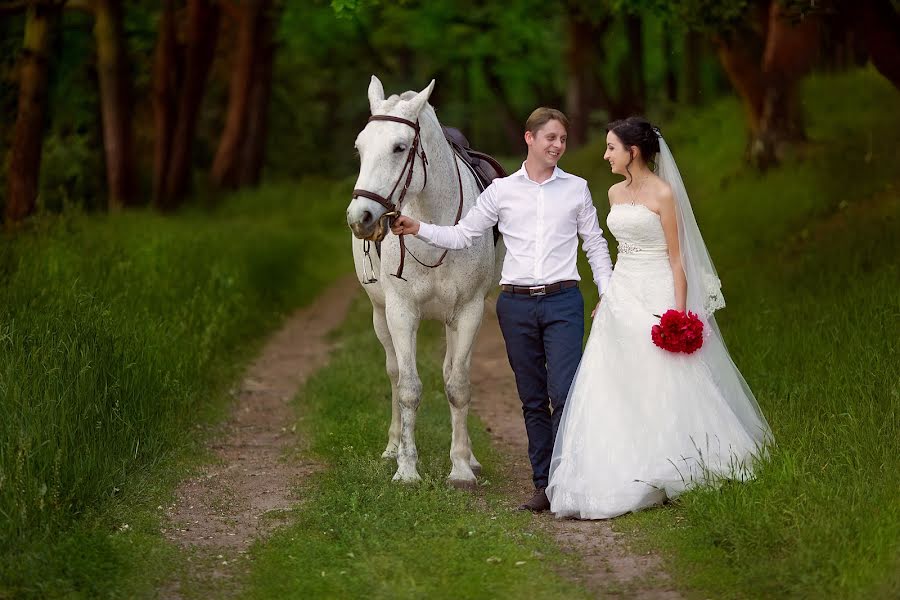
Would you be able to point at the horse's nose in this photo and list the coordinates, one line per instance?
(367, 219)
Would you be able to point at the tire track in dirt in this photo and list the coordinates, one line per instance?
(610, 568)
(246, 492)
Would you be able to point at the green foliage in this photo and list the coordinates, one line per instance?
(325, 63)
(118, 338)
(709, 16)
(807, 254)
(70, 168)
(357, 534)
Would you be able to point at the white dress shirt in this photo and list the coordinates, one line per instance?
(540, 223)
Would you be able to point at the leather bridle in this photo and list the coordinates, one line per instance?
(393, 210)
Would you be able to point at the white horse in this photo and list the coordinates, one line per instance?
(405, 160)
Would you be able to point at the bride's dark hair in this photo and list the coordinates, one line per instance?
(637, 131)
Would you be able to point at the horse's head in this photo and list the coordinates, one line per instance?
(385, 147)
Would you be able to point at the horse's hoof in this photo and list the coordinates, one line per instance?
(463, 484)
(406, 477)
(389, 454)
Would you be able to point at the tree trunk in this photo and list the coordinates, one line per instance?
(115, 102)
(465, 97)
(879, 26)
(670, 78)
(791, 50)
(741, 60)
(254, 150)
(693, 55)
(579, 59)
(226, 165)
(166, 81)
(41, 25)
(636, 98)
(202, 33)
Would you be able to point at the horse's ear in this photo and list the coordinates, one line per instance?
(376, 93)
(418, 101)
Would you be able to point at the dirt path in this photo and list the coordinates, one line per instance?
(241, 497)
(611, 569)
(222, 510)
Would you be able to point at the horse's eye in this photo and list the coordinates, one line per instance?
(399, 148)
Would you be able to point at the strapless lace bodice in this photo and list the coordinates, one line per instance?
(638, 230)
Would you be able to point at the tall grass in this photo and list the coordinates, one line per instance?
(808, 257)
(118, 335)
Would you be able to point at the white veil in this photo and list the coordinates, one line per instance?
(704, 297)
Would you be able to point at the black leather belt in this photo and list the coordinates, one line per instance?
(539, 290)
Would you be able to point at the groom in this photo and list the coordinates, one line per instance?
(539, 209)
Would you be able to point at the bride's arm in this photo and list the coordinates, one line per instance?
(670, 228)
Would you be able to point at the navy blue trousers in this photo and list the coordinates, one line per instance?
(543, 342)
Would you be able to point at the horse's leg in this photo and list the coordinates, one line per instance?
(473, 462)
(384, 336)
(404, 324)
(448, 370)
(459, 391)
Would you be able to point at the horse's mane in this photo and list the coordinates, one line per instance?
(427, 113)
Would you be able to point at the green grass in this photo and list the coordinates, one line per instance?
(118, 338)
(358, 535)
(808, 257)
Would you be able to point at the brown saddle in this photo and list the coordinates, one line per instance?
(485, 167)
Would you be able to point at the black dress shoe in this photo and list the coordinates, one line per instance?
(538, 502)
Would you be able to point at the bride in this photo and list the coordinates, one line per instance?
(642, 424)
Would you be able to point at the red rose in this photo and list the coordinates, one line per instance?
(678, 332)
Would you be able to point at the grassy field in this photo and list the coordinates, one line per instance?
(808, 255)
(358, 535)
(118, 337)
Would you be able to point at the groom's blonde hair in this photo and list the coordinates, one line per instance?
(541, 116)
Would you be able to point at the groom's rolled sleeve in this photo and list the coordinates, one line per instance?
(479, 219)
(594, 243)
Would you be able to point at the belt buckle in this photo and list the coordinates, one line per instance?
(539, 290)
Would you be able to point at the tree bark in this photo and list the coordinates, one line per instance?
(636, 98)
(693, 54)
(578, 71)
(226, 165)
(165, 85)
(115, 102)
(202, 33)
(41, 25)
(741, 58)
(671, 77)
(879, 26)
(790, 52)
(741, 54)
(254, 150)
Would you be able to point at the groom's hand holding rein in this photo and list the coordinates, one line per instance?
(404, 225)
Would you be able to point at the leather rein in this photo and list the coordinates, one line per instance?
(393, 210)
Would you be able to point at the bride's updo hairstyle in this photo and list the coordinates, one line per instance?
(638, 131)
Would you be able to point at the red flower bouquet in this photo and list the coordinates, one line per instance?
(678, 332)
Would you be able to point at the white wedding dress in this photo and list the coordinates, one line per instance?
(642, 424)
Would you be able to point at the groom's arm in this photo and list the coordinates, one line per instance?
(479, 219)
(594, 243)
